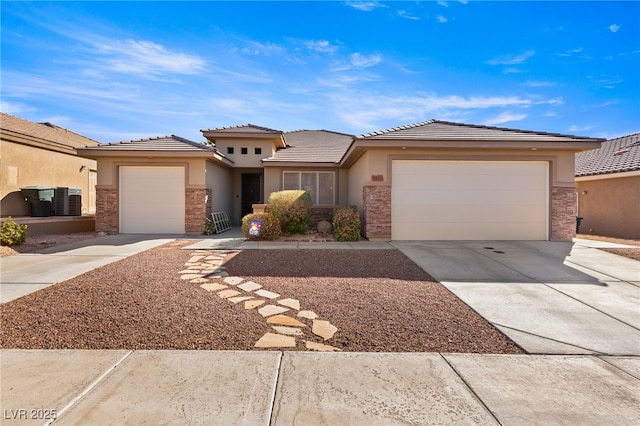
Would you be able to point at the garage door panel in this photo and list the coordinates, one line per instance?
(481, 214)
(152, 199)
(455, 231)
(469, 200)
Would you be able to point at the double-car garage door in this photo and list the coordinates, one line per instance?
(152, 200)
(469, 200)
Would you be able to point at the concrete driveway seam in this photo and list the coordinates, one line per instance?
(89, 388)
(569, 263)
(592, 307)
(606, 358)
(470, 388)
(595, 352)
(276, 389)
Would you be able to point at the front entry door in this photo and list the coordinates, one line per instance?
(251, 191)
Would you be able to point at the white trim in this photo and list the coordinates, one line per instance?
(608, 176)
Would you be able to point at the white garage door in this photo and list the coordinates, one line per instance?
(152, 200)
(469, 200)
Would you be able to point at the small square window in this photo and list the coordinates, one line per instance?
(229, 150)
(244, 150)
(258, 151)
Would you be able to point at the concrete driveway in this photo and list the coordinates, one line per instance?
(549, 297)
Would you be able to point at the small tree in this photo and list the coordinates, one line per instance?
(293, 209)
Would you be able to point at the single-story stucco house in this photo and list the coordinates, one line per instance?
(608, 185)
(433, 180)
(44, 155)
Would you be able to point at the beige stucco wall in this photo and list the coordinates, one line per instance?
(23, 165)
(220, 181)
(610, 206)
(250, 159)
(377, 162)
(195, 169)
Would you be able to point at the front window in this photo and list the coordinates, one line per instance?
(320, 185)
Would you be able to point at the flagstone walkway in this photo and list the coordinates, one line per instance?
(284, 315)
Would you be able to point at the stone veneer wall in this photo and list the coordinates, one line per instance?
(197, 208)
(107, 210)
(318, 214)
(563, 213)
(376, 207)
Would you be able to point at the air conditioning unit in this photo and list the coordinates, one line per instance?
(67, 202)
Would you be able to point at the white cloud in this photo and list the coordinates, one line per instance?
(441, 19)
(504, 117)
(257, 48)
(539, 83)
(571, 52)
(575, 128)
(365, 6)
(146, 57)
(364, 110)
(359, 61)
(322, 46)
(13, 108)
(404, 14)
(511, 59)
(365, 61)
(443, 3)
(614, 28)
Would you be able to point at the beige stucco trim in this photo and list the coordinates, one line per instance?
(112, 176)
(552, 160)
(608, 176)
(359, 146)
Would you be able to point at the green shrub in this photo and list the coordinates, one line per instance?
(346, 224)
(208, 227)
(293, 210)
(269, 230)
(12, 233)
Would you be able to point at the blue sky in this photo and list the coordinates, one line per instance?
(126, 70)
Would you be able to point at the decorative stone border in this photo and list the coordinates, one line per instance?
(205, 268)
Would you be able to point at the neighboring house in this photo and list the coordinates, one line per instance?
(42, 154)
(608, 186)
(433, 180)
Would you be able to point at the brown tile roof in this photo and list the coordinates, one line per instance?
(45, 131)
(614, 156)
(243, 128)
(160, 143)
(312, 146)
(445, 130)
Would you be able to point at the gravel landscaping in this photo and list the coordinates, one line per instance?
(378, 299)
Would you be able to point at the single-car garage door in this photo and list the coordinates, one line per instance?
(469, 200)
(152, 200)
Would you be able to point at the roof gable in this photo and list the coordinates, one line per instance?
(614, 156)
(44, 131)
(436, 130)
(243, 128)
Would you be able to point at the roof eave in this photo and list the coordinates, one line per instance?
(306, 164)
(96, 153)
(360, 145)
(276, 137)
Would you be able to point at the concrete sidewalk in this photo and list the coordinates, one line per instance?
(22, 274)
(263, 388)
